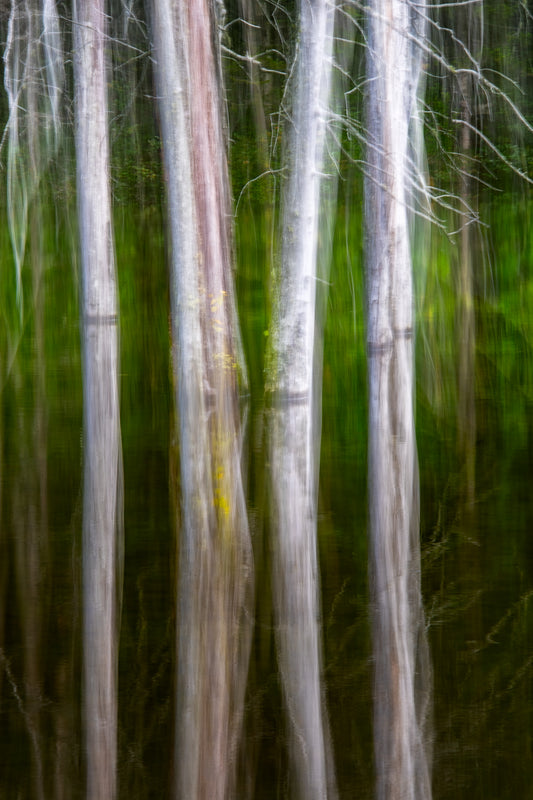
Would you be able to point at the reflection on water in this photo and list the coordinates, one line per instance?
(477, 569)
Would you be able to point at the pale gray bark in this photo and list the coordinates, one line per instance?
(399, 641)
(215, 562)
(102, 495)
(295, 380)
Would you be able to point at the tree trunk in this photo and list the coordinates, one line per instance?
(250, 12)
(215, 562)
(399, 643)
(470, 32)
(295, 380)
(102, 499)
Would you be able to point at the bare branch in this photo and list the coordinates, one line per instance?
(495, 149)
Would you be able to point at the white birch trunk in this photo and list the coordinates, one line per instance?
(400, 649)
(102, 505)
(295, 418)
(215, 565)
